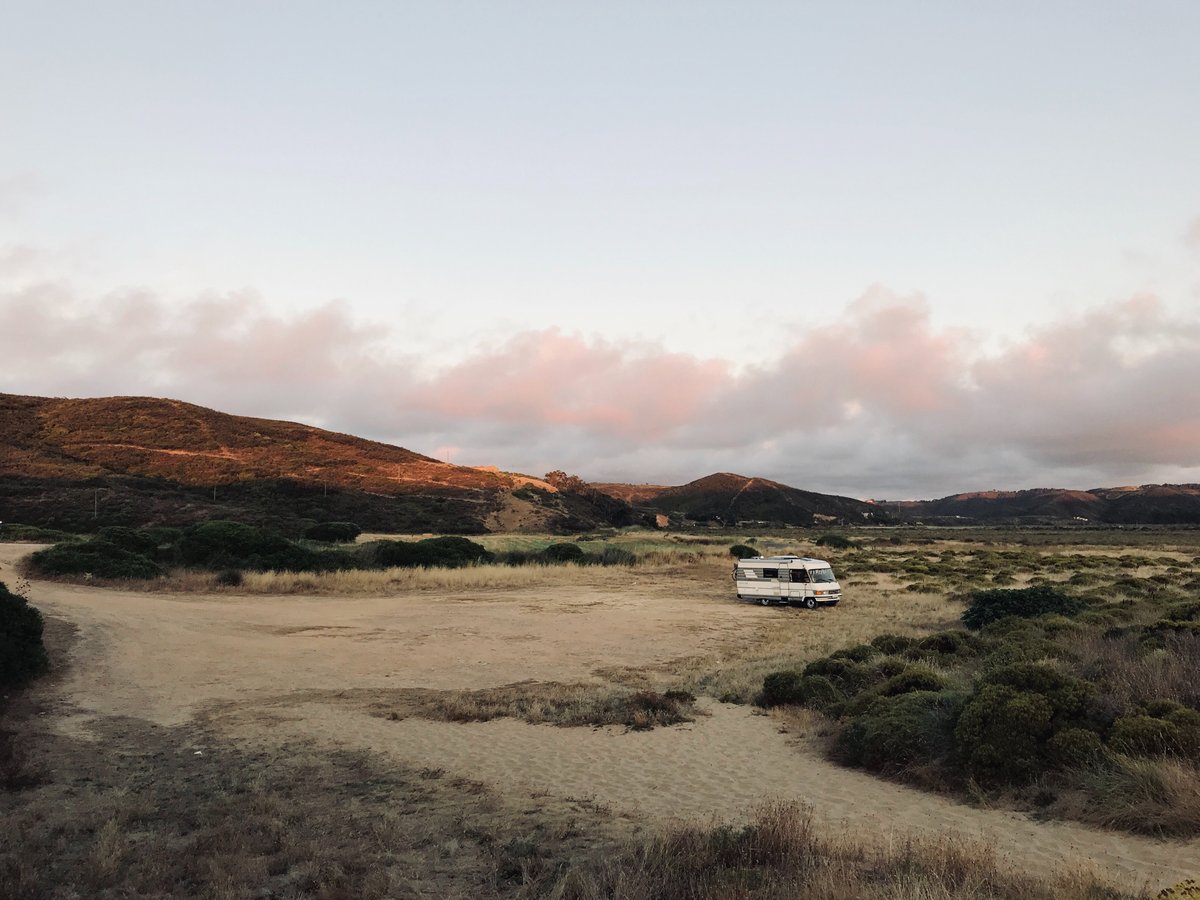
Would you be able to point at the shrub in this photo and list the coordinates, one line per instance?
(1144, 735)
(450, 552)
(848, 675)
(914, 678)
(899, 731)
(616, 556)
(229, 578)
(1001, 733)
(948, 643)
(857, 653)
(34, 534)
(220, 544)
(991, 605)
(98, 559)
(22, 653)
(132, 539)
(1074, 747)
(564, 553)
(892, 643)
(741, 551)
(836, 541)
(794, 689)
(334, 532)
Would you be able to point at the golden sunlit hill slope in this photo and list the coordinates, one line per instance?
(141, 460)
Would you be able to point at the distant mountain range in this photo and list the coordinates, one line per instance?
(78, 464)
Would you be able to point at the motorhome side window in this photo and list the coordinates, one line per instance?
(770, 573)
(800, 575)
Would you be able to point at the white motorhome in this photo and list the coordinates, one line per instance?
(797, 580)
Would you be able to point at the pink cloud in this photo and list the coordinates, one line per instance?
(881, 399)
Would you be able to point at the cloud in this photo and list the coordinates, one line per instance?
(882, 401)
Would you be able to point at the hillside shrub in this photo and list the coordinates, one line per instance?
(334, 532)
(836, 541)
(564, 553)
(221, 545)
(96, 559)
(896, 732)
(16, 532)
(135, 540)
(742, 551)
(995, 604)
(22, 653)
(451, 551)
(849, 676)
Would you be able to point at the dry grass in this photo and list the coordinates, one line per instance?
(1158, 796)
(546, 703)
(783, 853)
(1130, 675)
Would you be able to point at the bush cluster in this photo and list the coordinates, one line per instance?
(992, 605)
(451, 551)
(334, 532)
(94, 559)
(22, 653)
(742, 551)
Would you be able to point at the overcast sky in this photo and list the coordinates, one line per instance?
(887, 249)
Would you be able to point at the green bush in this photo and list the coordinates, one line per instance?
(892, 643)
(948, 643)
(34, 534)
(1004, 732)
(334, 532)
(97, 559)
(781, 689)
(857, 653)
(741, 551)
(564, 553)
(1001, 733)
(220, 545)
(836, 541)
(450, 551)
(913, 678)
(790, 688)
(849, 676)
(135, 540)
(22, 653)
(991, 605)
(900, 731)
(1144, 735)
(1074, 747)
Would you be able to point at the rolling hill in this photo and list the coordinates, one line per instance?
(1148, 504)
(142, 460)
(728, 498)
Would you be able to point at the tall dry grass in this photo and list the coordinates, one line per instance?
(1130, 674)
(1157, 795)
(784, 853)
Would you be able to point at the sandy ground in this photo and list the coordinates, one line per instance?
(317, 668)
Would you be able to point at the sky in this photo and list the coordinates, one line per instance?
(882, 249)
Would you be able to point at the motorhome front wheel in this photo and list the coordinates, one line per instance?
(810, 602)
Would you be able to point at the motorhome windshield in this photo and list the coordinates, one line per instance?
(821, 576)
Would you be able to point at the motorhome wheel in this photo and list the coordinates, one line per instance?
(810, 602)
(766, 601)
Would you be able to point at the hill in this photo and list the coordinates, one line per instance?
(141, 460)
(1149, 504)
(728, 498)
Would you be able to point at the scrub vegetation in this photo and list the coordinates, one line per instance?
(1073, 695)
